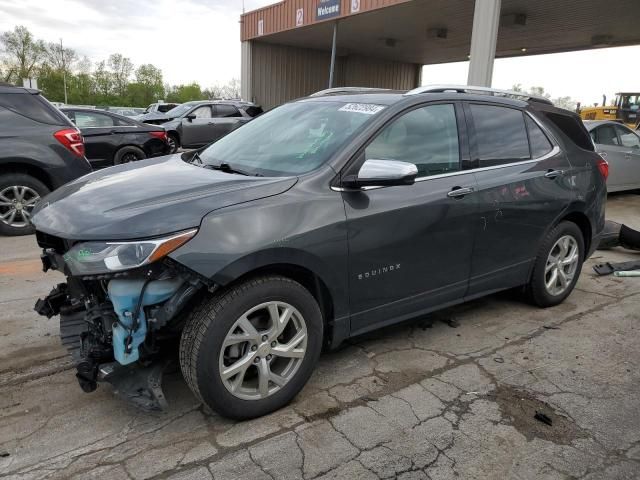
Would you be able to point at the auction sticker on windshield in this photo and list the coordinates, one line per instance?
(366, 108)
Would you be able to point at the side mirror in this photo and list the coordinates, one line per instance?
(382, 173)
(191, 117)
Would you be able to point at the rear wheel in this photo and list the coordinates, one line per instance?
(557, 266)
(128, 154)
(249, 350)
(19, 194)
(174, 142)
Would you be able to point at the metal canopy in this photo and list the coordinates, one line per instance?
(438, 31)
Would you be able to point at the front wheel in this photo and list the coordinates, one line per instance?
(557, 266)
(249, 350)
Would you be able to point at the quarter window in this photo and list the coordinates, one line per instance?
(426, 137)
(501, 136)
(540, 144)
(227, 111)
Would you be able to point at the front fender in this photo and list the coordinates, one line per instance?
(292, 228)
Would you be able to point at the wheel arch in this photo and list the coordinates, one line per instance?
(584, 224)
(307, 270)
(27, 168)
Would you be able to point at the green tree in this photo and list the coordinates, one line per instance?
(185, 93)
(22, 53)
(102, 84)
(121, 70)
(147, 88)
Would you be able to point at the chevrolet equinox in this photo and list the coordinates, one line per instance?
(324, 218)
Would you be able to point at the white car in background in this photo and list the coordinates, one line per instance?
(620, 146)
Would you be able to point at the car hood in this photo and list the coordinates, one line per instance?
(155, 117)
(146, 198)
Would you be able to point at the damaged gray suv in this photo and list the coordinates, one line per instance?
(322, 219)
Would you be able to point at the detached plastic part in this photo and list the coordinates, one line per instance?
(140, 386)
(610, 235)
(608, 268)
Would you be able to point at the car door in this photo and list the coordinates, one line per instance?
(100, 138)
(197, 130)
(227, 118)
(410, 246)
(630, 142)
(524, 185)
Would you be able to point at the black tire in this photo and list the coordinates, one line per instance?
(19, 180)
(174, 142)
(128, 154)
(536, 288)
(207, 328)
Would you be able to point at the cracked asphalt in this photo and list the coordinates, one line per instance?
(451, 395)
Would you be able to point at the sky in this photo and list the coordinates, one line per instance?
(199, 40)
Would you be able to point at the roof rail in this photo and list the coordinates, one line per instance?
(349, 91)
(479, 90)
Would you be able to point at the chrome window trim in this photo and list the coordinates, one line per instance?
(554, 151)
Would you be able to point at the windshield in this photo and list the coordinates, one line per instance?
(292, 139)
(179, 110)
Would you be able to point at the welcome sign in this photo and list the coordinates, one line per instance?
(327, 9)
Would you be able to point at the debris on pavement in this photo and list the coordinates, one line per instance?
(610, 235)
(541, 417)
(627, 273)
(608, 268)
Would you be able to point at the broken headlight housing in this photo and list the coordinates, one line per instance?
(93, 258)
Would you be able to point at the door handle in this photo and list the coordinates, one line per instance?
(459, 192)
(553, 174)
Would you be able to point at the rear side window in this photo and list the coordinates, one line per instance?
(92, 120)
(501, 135)
(223, 111)
(32, 107)
(606, 135)
(573, 128)
(540, 144)
(253, 111)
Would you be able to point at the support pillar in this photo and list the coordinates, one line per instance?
(246, 85)
(486, 20)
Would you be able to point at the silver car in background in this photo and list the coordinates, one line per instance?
(620, 146)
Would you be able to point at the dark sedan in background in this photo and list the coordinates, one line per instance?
(112, 139)
(198, 123)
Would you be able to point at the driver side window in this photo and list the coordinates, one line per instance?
(426, 137)
(202, 112)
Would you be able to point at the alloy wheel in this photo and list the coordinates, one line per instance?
(561, 265)
(16, 204)
(263, 350)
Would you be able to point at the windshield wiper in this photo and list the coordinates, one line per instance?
(226, 168)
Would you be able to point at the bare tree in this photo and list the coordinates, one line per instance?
(22, 52)
(59, 58)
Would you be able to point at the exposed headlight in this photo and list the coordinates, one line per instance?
(91, 258)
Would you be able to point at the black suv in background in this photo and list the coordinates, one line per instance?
(322, 219)
(198, 123)
(40, 150)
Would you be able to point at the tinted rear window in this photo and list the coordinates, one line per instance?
(253, 111)
(573, 128)
(501, 135)
(32, 107)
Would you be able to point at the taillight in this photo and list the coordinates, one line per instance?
(603, 167)
(161, 135)
(72, 140)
